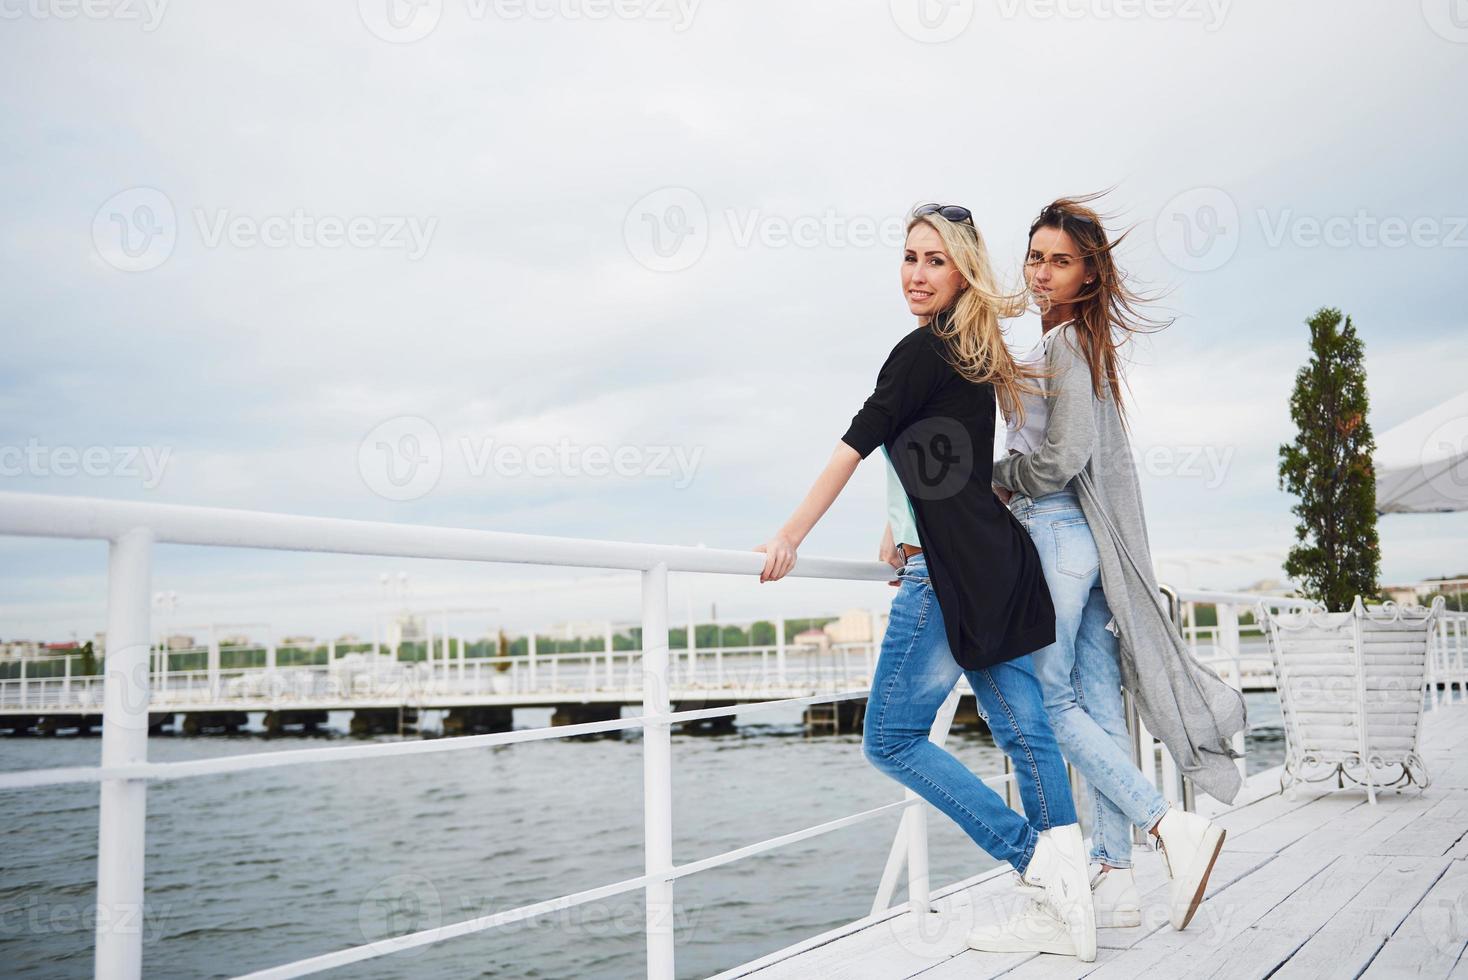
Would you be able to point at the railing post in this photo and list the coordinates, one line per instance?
(534, 679)
(1228, 639)
(607, 640)
(120, 838)
(214, 690)
(780, 651)
(657, 774)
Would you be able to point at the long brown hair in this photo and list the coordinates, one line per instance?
(970, 325)
(1106, 313)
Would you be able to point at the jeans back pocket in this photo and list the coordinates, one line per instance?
(1075, 547)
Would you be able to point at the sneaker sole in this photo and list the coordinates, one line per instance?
(1012, 946)
(1197, 896)
(1129, 919)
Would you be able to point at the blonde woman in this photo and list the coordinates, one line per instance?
(972, 598)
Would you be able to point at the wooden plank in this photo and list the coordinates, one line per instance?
(1263, 946)
(1362, 828)
(1353, 936)
(1267, 810)
(1433, 833)
(1155, 919)
(1432, 938)
(1219, 921)
(1316, 883)
(1287, 828)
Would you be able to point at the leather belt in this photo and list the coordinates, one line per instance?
(907, 551)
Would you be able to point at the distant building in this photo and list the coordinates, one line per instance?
(853, 626)
(235, 640)
(406, 628)
(19, 649)
(1405, 595)
(300, 642)
(813, 638)
(346, 638)
(179, 641)
(1269, 586)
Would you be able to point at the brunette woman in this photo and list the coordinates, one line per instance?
(1075, 489)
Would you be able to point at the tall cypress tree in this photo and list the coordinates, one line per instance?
(1328, 467)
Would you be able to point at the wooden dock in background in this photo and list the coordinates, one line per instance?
(1317, 883)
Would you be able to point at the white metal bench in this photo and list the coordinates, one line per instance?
(1351, 688)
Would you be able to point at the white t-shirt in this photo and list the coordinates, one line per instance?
(1031, 436)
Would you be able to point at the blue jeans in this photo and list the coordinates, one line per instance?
(915, 671)
(1080, 674)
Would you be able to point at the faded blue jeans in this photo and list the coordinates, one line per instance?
(1081, 676)
(915, 671)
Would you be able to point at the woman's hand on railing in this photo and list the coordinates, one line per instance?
(779, 554)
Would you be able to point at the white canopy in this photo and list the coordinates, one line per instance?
(1422, 464)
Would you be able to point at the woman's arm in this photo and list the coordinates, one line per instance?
(912, 372)
(1070, 433)
(780, 550)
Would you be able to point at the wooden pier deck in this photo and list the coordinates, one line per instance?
(1320, 884)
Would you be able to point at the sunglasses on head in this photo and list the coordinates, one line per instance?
(952, 212)
(1059, 216)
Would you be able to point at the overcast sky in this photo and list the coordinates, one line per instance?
(262, 255)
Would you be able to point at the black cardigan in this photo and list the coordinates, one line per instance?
(938, 428)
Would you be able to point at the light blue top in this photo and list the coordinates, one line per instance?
(899, 508)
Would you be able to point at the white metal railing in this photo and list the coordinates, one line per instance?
(361, 679)
(133, 529)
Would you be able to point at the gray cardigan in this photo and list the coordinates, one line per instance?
(1182, 702)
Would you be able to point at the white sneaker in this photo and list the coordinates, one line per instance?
(1114, 895)
(1189, 844)
(1036, 928)
(1118, 903)
(1059, 865)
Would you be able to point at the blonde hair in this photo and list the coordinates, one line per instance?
(970, 325)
